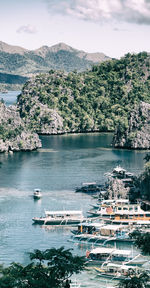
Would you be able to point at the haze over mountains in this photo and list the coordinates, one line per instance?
(17, 60)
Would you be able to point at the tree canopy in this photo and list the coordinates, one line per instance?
(49, 269)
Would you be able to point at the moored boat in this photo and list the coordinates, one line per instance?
(115, 271)
(102, 233)
(121, 173)
(99, 255)
(68, 217)
(122, 212)
(89, 188)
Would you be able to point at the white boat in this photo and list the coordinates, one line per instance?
(37, 194)
(99, 255)
(122, 212)
(119, 172)
(100, 233)
(115, 271)
(68, 217)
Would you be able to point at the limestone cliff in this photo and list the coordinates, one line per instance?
(13, 134)
(137, 135)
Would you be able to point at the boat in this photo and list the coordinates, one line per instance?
(99, 255)
(108, 207)
(37, 194)
(115, 271)
(90, 187)
(119, 172)
(122, 212)
(105, 234)
(68, 217)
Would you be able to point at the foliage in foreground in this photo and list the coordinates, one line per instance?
(141, 240)
(135, 280)
(49, 269)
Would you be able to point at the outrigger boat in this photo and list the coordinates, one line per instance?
(67, 217)
(101, 233)
(115, 271)
(100, 255)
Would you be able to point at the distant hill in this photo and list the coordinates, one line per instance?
(12, 79)
(17, 60)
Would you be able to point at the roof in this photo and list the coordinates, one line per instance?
(94, 224)
(113, 227)
(122, 200)
(121, 252)
(118, 169)
(89, 183)
(64, 212)
(125, 267)
(108, 201)
(102, 250)
(97, 225)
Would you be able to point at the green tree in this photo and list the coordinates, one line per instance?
(135, 280)
(141, 240)
(49, 269)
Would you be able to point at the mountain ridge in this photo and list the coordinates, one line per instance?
(24, 62)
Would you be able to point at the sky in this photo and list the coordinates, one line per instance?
(114, 27)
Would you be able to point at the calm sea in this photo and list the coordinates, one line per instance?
(63, 163)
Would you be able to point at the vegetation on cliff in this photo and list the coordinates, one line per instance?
(14, 136)
(137, 134)
(96, 100)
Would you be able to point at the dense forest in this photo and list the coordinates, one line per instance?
(99, 99)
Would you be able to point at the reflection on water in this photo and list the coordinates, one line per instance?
(63, 163)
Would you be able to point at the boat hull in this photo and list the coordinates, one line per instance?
(43, 221)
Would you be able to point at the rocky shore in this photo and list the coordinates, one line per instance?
(14, 136)
(137, 135)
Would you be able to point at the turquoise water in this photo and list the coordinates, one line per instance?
(63, 163)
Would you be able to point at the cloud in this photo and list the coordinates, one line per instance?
(133, 11)
(27, 29)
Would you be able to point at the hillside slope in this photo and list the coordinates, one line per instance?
(17, 60)
(96, 100)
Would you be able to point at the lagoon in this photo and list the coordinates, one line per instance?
(64, 162)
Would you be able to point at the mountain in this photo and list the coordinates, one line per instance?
(20, 61)
(99, 99)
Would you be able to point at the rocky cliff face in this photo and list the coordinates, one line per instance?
(137, 135)
(13, 134)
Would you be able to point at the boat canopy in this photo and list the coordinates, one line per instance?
(102, 250)
(37, 190)
(89, 183)
(121, 252)
(96, 225)
(112, 251)
(123, 267)
(113, 227)
(64, 212)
